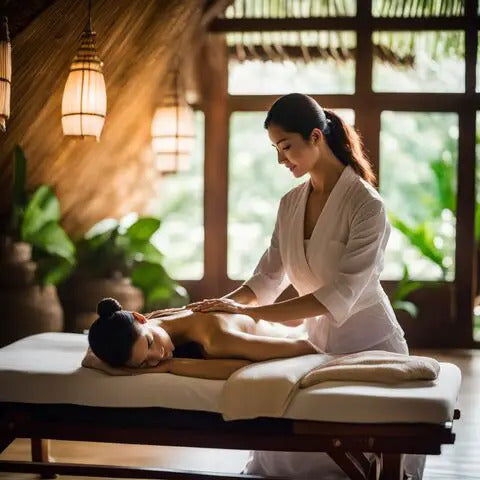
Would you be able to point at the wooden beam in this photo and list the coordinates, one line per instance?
(215, 94)
(213, 10)
(465, 251)
(367, 117)
(222, 25)
(108, 471)
(261, 103)
(402, 102)
(21, 14)
(392, 467)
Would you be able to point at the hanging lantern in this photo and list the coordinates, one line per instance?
(84, 102)
(173, 133)
(5, 73)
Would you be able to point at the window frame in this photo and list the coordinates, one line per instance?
(455, 328)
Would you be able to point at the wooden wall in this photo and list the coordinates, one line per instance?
(137, 41)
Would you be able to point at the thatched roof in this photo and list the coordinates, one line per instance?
(137, 42)
(396, 48)
(338, 8)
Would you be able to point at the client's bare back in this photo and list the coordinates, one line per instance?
(226, 335)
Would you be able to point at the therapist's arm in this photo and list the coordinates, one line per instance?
(297, 308)
(291, 311)
(243, 295)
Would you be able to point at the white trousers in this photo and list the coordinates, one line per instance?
(307, 465)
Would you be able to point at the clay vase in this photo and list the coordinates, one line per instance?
(85, 293)
(26, 308)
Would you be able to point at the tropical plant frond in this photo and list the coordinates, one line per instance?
(408, 307)
(420, 236)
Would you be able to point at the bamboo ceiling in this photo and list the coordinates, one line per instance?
(137, 42)
(306, 46)
(339, 8)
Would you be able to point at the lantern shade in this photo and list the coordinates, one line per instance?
(173, 135)
(5, 73)
(84, 102)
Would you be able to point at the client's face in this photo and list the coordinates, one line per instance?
(151, 347)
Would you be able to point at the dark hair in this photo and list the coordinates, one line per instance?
(113, 333)
(299, 113)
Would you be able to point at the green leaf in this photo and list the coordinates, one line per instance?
(146, 276)
(408, 288)
(53, 270)
(161, 297)
(158, 288)
(477, 222)
(143, 229)
(97, 241)
(420, 237)
(408, 307)
(42, 208)
(444, 173)
(146, 252)
(103, 226)
(52, 239)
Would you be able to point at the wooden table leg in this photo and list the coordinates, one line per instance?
(41, 453)
(392, 466)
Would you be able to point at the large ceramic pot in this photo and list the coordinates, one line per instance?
(26, 308)
(84, 295)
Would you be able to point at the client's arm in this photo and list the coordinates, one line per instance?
(216, 369)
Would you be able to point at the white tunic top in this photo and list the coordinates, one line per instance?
(340, 265)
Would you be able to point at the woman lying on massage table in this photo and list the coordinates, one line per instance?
(128, 342)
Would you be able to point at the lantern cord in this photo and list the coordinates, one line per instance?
(89, 15)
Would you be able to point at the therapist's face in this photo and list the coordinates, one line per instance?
(151, 347)
(293, 151)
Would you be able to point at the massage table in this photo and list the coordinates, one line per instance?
(45, 394)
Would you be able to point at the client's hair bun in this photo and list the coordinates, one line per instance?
(107, 306)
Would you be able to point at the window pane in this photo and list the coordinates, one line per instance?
(179, 205)
(274, 62)
(256, 184)
(418, 179)
(419, 61)
(478, 62)
(476, 311)
(290, 9)
(413, 8)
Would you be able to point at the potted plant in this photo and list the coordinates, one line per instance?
(35, 255)
(404, 288)
(117, 259)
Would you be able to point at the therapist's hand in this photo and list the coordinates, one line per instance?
(218, 305)
(164, 312)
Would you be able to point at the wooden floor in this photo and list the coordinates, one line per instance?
(457, 462)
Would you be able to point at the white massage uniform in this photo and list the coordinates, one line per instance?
(340, 265)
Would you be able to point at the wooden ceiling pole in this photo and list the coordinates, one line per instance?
(213, 10)
(215, 96)
(21, 14)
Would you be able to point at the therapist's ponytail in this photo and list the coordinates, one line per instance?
(346, 144)
(300, 113)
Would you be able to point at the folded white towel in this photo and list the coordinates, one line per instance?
(374, 366)
(266, 388)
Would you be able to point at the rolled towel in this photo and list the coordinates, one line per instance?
(373, 366)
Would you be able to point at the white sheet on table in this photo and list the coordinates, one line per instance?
(45, 368)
